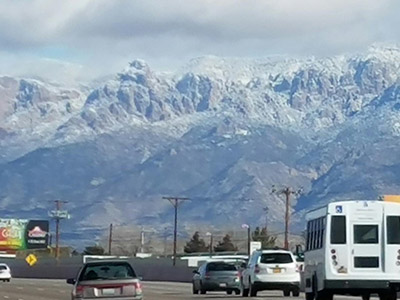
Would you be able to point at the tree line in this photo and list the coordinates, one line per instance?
(198, 245)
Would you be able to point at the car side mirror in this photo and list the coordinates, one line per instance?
(71, 281)
(140, 278)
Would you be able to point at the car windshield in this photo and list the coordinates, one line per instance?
(276, 258)
(221, 267)
(107, 271)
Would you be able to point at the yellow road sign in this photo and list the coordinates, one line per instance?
(31, 259)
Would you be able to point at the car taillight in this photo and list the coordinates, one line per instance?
(398, 258)
(257, 269)
(207, 276)
(79, 291)
(138, 287)
(299, 268)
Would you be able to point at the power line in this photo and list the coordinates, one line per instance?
(175, 201)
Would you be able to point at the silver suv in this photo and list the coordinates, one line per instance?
(217, 276)
(271, 270)
(106, 280)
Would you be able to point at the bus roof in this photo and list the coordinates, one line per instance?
(324, 210)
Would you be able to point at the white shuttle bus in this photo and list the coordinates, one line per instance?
(353, 248)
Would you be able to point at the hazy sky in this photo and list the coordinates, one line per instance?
(69, 40)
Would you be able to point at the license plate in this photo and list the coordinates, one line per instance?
(108, 292)
(222, 285)
(277, 270)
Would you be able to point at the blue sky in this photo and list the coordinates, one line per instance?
(79, 40)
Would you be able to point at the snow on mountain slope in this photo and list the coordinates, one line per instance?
(220, 130)
(288, 93)
(30, 112)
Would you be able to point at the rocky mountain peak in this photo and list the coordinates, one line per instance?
(218, 129)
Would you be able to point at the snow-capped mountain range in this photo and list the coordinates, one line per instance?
(219, 130)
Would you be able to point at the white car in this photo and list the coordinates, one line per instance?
(271, 270)
(5, 273)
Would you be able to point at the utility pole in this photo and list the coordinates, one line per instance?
(58, 215)
(142, 240)
(175, 201)
(266, 209)
(110, 239)
(211, 242)
(287, 191)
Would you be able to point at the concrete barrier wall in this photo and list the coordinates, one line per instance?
(149, 269)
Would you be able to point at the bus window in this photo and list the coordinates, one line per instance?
(319, 230)
(338, 230)
(393, 230)
(366, 234)
(315, 240)
(321, 240)
(308, 236)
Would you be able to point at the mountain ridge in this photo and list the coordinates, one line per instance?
(219, 132)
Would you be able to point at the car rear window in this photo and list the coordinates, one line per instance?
(276, 258)
(3, 268)
(221, 267)
(107, 271)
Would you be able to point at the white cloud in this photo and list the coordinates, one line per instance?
(103, 33)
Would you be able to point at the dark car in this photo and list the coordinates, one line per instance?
(106, 280)
(217, 276)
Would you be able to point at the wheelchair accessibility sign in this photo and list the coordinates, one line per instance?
(339, 209)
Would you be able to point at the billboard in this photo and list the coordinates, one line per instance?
(20, 234)
(391, 198)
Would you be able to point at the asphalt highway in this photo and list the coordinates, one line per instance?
(38, 289)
